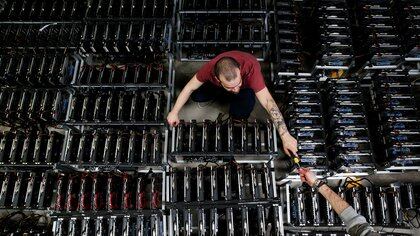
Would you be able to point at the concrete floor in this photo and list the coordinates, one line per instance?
(184, 71)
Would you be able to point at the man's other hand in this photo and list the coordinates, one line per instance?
(307, 176)
(289, 145)
(173, 119)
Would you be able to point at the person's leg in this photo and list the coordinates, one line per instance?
(242, 104)
(205, 93)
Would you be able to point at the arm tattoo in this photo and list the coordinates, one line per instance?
(276, 116)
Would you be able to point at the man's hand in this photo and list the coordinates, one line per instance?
(173, 119)
(289, 145)
(307, 176)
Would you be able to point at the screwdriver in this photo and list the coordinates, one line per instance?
(296, 160)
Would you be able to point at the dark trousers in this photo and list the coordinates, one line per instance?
(241, 104)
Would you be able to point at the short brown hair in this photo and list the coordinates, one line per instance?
(226, 66)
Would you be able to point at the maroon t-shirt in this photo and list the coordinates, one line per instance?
(249, 66)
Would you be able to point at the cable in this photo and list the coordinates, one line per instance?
(155, 199)
(9, 216)
(203, 166)
(350, 183)
(269, 161)
(46, 26)
(408, 220)
(24, 224)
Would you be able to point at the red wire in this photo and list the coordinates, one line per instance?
(82, 205)
(112, 201)
(155, 199)
(59, 202)
(141, 204)
(96, 201)
(70, 200)
(127, 201)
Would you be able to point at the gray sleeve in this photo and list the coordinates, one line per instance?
(355, 223)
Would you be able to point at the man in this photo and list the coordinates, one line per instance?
(236, 77)
(355, 223)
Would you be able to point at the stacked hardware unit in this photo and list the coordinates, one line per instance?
(30, 147)
(37, 25)
(43, 105)
(45, 68)
(139, 29)
(287, 34)
(390, 33)
(398, 117)
(112, 203)
(203, 32)
(148, 38)
(37, 64)
(117, 106)
(112, 191)
(27, 190)
(236, 194)
(103, 147)
(111, 177)
(359, 106)
(121, 9)
(30, 36)
(383, 35)
(222, 141)
(381, 205)
(335, 35)
(33, 87)
(129, 75)
(305, 119)
(410, 30)
(135, 224)
(56, 11)
(85, 86)
(296, 34)
(349, 138)
(125, 27)
(346, 29)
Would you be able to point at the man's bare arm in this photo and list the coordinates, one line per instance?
(273, 110)
(183, 97)
(185, 94)
(356, 224)
(337, 203)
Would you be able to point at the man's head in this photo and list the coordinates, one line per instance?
(228, 73)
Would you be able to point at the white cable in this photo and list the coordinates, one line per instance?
(45, 26)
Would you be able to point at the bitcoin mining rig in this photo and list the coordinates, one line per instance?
(86, 85)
